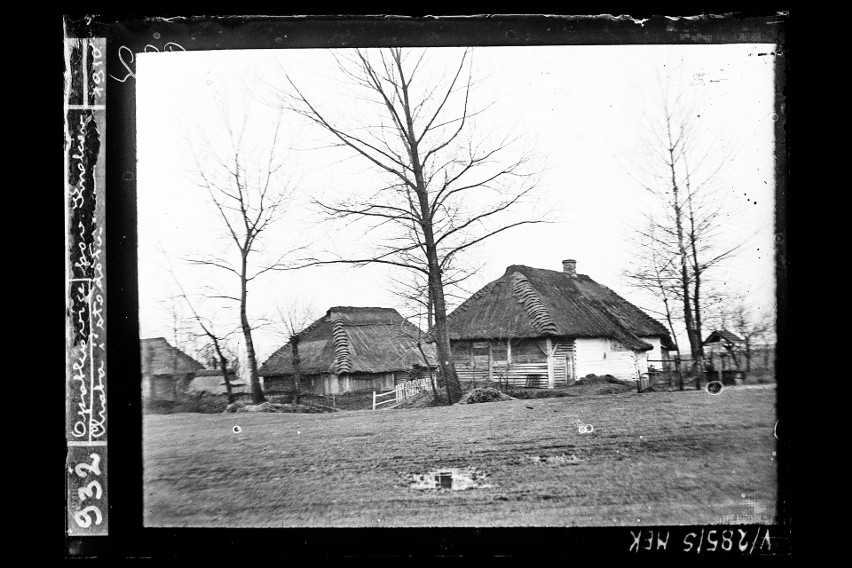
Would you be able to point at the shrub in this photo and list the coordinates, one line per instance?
(592, 379)
(532, 393)
(483, 395)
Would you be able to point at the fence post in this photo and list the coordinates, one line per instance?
(374, 400)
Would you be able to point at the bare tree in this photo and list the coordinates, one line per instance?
(654, 269)
(294, 319)
(443, 191)
(415, 294)
(752, 327)
(680, 168)
(177, 330)
(244, 183)
(218, 342)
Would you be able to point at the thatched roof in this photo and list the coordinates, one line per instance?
(159, 357)
(723, 336)
(531, 302)
(353, 340)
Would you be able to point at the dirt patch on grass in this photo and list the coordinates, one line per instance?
(206, 403)
(561, 459)
(602, 389)
(590, 385)
(453, 479)
(595, 387)
(360, 400)
(200, 403)
(247, 406)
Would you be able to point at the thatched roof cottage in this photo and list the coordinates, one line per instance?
(351, 349)
(536, 327)
(166, 370)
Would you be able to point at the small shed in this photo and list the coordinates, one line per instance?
(724, 351)
(723, 340)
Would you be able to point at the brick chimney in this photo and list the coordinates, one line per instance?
(569, 267)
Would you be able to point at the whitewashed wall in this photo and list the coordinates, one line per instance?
(595, 356)
(656, 353)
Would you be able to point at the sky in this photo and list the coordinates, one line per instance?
(576, 109)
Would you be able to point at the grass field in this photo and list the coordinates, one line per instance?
(652, 459)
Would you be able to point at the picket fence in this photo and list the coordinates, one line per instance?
(401, 392)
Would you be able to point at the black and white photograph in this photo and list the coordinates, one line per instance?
(405, 285)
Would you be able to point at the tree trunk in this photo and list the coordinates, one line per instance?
(436, 288)
(697, 346)
(223, 366)
(679, 372)
(748, 355)
(442, 336)
(254, 379)
(684, 284)
(428, 369)
(297, 374)
(445, 354)
(670, 322)
(430, 312)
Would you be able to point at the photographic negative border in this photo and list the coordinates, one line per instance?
(121, 39)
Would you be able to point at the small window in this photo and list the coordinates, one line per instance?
(480, 350)
(527, 351)
(615, 345)
(461, 352)
(499, 352)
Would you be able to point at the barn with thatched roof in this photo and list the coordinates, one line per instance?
(535, 327)
(166, 370)
(351, 349)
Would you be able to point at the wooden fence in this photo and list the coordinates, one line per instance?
(401, 392)
(681, 375)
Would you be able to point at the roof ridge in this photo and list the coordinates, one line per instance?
(617, 319)
(342, 359)
(526, 295)
(465, 305)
